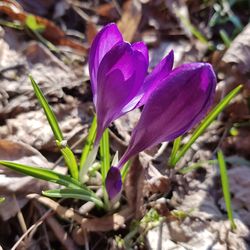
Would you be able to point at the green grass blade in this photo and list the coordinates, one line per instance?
(225, 188)
(105, 163)
(70, 160)
(89, 143)
(176, 146)
(48, 111)
(13, 25)
(206, 122)
(105, 154)
(195, 32)
(225, 38)
(196, 166)
(125, 169)
(80, 194)
(66, 151)
(43, 174)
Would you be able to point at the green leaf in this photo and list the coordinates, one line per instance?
(80, 194)
(70, 160)
(2, 199)
(42, 173)
(32, 24)
(225, 188)
(176, 146)
(206, 122)
(105, 154)
(48, 111)
(66, 151)
(89, 142)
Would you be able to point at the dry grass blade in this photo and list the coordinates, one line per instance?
(58, 230)
(33, 227)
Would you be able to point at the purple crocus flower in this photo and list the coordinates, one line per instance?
(179, 101)
(117, 73)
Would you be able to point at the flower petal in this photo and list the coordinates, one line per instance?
(113, 183)
(141, 47)
(176, 105)
(118, 82)
(159, 73)
(103, 42)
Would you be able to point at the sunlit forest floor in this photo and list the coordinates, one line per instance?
(162, 208)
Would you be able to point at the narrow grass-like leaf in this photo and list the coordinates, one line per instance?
(105, 163)
(13, 25)
(66, 151)
(125, 169)
(195, 32)
(196, 166)
(225, 188)
(176, 146)
(48, 111)
(206, 122)
(74, 194)
(225, 38)
(42, 173)
(70, 160)
(89, 142)
(105, 154)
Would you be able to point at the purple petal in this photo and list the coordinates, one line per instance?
(113, 183)
(118, 82)
(160, 72)
(103, 42)
(141, 47)
(179, 102)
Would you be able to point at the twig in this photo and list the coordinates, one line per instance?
(85, 235)
(111, 222)
(159, 243)
(33, 227)
(60, 234)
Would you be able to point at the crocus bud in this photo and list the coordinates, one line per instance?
(117, 73)
(179, 101)
(113, 183)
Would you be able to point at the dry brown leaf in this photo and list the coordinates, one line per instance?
(198, 234)
(38, 7)
(52, 32)
(48, 71)
(91, 31)
(239, 51)
(107, 10)
(14, 183)
(134, 187)
(239, 187)
(130, 19)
